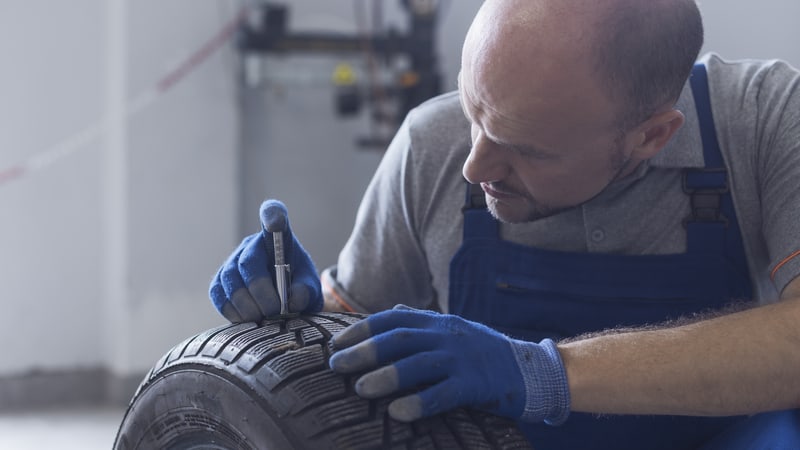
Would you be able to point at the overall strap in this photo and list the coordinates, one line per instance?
(712, 223)
(478, 222)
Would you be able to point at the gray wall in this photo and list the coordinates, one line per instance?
(50, 258)
(764, 29)
(107, 252)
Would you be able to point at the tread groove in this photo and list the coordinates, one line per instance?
(220, 340)
(236, 347)
(200, 340)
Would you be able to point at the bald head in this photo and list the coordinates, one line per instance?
(645, 51)
(638, 53)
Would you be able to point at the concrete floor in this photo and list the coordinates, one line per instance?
(75, 429)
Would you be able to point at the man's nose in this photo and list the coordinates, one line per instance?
(487, 161)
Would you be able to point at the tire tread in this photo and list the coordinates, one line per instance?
(284, 364)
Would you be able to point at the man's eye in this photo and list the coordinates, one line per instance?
(532, 154)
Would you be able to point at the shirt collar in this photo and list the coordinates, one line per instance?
(685, 149)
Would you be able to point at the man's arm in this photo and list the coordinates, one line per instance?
(331, 304)
(332, 301)
(740, 363)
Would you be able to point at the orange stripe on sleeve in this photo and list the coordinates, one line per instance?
(328, 288)
(783, 263)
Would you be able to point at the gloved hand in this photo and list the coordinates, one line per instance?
(244, 288)
(451, 362)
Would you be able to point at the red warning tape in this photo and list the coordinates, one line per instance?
(167, 82)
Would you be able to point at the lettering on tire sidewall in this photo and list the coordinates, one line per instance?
(181, 428)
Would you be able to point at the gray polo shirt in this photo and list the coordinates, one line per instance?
(409, 224)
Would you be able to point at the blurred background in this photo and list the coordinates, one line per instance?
(138, 139)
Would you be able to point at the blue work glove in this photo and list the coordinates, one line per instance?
(244, 288)
(449, 362)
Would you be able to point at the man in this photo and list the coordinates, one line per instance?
(622, 197)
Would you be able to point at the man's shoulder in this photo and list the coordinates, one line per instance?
(442, 114)
(447, 101)
(736, 80)
(439, 136)
(751, 99)
(744, 68)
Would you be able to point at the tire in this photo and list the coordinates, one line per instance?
(268, 386)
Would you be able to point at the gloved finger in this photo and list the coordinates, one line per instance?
(239, 308)
(305, 292)
(235, 288)
(275, 218)
(229, 277)
(227, 282)
(431, 401)
(406, 409)
(253, 265)
(403, 318)
(239, 296)
(231, 313)
(402, 307)
(216, 292)
(352, 335)
(379, 323)
(220, 300)
(247, 307)
(383, 349)
(298, 297)
(378, 383)
(353, 359)
(416, 370)
(303, 295)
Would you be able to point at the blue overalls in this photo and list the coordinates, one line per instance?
(539, 293)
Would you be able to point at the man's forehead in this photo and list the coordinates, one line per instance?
(529, 35)
(540, 13)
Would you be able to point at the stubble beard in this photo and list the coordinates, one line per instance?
(536, 210)
(533, 212)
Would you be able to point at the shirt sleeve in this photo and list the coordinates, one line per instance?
(756, 108)
(383, 262)
(777, 137)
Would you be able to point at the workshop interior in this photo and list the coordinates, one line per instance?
(139, 139)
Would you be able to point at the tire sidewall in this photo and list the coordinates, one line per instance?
(193, 408)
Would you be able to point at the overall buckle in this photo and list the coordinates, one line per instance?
(705, 188)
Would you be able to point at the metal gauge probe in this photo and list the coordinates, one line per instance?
(282, 272)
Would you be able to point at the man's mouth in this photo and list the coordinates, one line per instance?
(499, 194)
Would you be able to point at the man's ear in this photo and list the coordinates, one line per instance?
(652, 135)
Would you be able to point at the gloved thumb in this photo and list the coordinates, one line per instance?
(274, 216)
(305, 292)
(402, 307)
